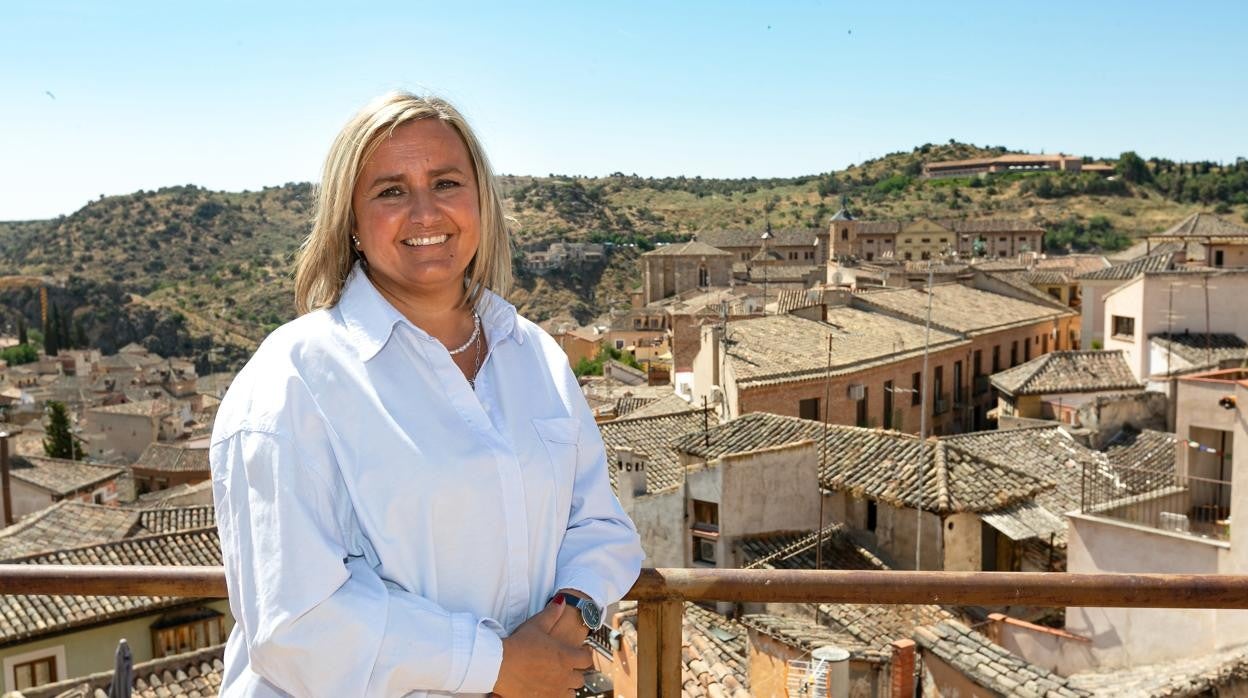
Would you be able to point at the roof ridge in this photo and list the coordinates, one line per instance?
(110, 545)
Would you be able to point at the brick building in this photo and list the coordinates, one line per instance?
(673, 269)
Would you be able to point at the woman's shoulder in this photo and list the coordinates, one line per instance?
(275, 379)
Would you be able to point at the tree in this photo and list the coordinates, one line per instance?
(60, 441)
(51, 331)
(21, 330)
(1132, 168)
(62, 330)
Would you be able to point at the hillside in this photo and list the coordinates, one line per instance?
(207, 274)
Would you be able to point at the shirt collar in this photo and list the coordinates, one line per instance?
(370, 318)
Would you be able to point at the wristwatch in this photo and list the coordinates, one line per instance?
(591, 613)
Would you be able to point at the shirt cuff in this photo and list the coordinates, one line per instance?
(486, 658)
(585, 582)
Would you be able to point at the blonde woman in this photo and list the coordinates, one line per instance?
(411, 492)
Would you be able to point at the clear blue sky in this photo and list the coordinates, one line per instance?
(97, 99)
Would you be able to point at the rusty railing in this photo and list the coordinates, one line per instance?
(661, 593)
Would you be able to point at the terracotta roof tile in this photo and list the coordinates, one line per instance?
(197, 673)
(958, 308)
(1129, 270)
(652, 437)
(174, 458)
(1203, 225)
(1068, 372)
(990, 666)
(59, 475)
(753, 238)
(693, 248)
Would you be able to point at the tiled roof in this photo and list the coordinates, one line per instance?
(1129, 270)
(778, 273)
(1203, 225)
(1048, 277)
(1020, 280)
(1073, 264)
(880, 465)
(191, 674)
(148, 408)
(786, 348)
(990, 666)
(753, 238)
(1144, 460)
(954, 225)
(1202, 675)
(806, 635)
(1068, 372)
(24, 616)
(167, 519)
(626, 405)
(60, 476)
(958, 308)
(187, 494)
(1046, 453)
(714, 658)
(173, 458)
(693, 248)
(796, 550)
(670, 404)
(652, 437)
(66, 524)
(1200, 349)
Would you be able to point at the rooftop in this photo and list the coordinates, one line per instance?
(785, 348)
(60, 476)
(797, 550)
(651, 437)
(990, 666)
(1068, 372)
(147, 408)
(173, 458)
(191, 674)
(66, 524)
(953, 225)
(1160, 261)
(753, 238)
(1200, 349)
(1195, 676)
(879, 465)
(1203, 225)
(714, 660)
(24, 617)
(693, 248)
(958, 308)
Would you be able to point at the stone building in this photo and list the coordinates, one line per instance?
(923, 238)
(676, 268)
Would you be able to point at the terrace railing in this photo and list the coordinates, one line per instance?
(661, 593)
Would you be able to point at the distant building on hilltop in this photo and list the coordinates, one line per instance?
(1017, 162)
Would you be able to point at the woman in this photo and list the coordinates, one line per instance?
(407, 474)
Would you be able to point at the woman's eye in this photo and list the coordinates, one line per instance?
(446, 184)
(390, 191)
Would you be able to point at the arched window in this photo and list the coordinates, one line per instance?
(704, 277)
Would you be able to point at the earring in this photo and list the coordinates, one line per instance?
(355, 241)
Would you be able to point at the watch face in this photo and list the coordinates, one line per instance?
(591, 614)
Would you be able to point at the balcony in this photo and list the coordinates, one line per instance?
(1166, 501)
(661, 593)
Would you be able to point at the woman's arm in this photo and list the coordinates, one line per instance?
(601, 552)
(317, 622)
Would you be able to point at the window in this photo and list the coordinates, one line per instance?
(944, 240)
(909, 256)
(619, 344)
(887, 421)
(808, 409)
(1026, 348)
(1004, 239)
(1056, 293)
(1002, 253)
(996, 358)
(916, 388)
(809, 254)
(33, 672)
(862, 419)
(870, 256)
(938, 387)
(705, 531)
(1013, 353)
(957, 382)
(1217, 258)
(872, 515)
(927, 255)
(925, 240)
(844, 233)
(1124, 327)
(187, 631)
(1044, 344)
(704, 277)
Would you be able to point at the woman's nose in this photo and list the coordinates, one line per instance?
(424, 209)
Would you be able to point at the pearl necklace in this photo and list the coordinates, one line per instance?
(476, 332)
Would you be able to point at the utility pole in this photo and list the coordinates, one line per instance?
(927, 344)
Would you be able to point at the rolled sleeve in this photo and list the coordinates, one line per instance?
(601, 551)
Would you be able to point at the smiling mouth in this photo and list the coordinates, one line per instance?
(425, 241)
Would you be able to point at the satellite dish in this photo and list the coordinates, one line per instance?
(830, 654)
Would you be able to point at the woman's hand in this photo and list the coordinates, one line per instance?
(537, 661)
(570, 629)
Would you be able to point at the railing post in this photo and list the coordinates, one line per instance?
(658, 648)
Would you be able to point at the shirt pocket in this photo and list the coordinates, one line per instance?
(560, 437)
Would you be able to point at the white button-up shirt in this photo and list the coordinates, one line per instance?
(383, 524)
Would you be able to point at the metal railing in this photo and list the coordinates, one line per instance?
(661, 594)
(1164, 500)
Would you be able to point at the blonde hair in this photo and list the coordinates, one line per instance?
(326, 255)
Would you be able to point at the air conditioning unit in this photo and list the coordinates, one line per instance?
(706, 551)
(857, 391)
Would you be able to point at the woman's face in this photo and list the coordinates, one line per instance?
(417, 213)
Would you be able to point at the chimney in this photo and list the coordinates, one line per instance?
(901, 669)
(712, 342)
(630, 476)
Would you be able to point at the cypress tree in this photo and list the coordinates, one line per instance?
(62, 331)
(51, 330)
(60, 441)
(21, 330)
